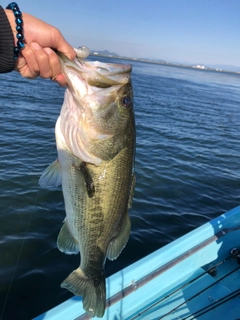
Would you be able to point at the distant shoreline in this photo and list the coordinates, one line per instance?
(163, 63)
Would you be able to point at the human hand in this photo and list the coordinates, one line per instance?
(37, 57)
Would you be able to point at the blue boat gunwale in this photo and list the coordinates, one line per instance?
(129, 277)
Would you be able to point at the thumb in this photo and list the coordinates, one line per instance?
(61, 45)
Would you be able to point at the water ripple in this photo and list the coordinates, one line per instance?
(187, 168)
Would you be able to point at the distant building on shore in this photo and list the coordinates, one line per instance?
(199, 66)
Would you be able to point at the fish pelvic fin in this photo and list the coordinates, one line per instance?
(66, 242)
(51, 176)
(93, 291)
(117, 244)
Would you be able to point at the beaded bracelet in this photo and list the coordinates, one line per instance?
(19, 27)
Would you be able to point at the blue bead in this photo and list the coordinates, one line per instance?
(19, 21)
(20, 36)
(16, 50)
(19, 29)
(13, 6)
(20, 44)
(17, 13)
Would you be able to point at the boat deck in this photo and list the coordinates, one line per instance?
(210, 294)
(195, 277)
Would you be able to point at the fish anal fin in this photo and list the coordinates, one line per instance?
(51, 176)
(93, 291)
(65, 241)
(117, 244)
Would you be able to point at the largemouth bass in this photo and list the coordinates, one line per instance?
(95, 137)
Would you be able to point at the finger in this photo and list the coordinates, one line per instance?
(61, 80)
(27, 64)
(63, 46)
(56, 67)
(69, 52)
(54, 63)
(42, 59)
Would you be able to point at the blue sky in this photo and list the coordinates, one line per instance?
(184, 31)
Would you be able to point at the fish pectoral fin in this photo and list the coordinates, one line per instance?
(65, 241)
(51, 176)
(93, 291)
(117, 244)
(88, 179)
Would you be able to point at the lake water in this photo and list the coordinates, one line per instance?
(187, 169)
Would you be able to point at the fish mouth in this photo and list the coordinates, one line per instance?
(94, 73)
(110, 74)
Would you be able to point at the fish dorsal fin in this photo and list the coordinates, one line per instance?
(117, 244)
(131, 191)
(51, 176)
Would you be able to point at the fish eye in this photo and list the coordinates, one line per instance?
(126, 101)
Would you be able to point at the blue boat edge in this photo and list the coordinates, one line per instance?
(176, 263)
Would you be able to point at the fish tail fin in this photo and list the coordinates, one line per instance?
(93, 291)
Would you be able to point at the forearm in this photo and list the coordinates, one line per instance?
(7, 61)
